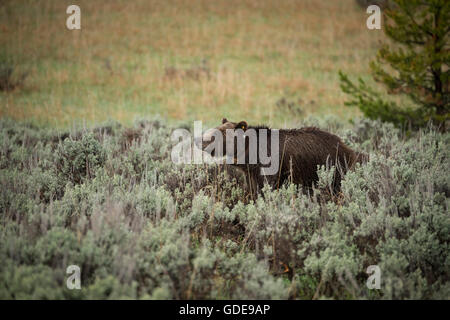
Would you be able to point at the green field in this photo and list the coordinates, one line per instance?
(185, 60)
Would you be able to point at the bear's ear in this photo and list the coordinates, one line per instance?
(224, 120)
(242, 125)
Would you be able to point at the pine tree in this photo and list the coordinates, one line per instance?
(416, 65)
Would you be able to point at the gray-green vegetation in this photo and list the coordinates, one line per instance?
(110, 200)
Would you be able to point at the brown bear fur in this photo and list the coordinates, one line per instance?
(301, 151)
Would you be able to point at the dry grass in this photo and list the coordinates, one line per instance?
(256, 52)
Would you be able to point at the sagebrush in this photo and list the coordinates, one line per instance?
(110, 200)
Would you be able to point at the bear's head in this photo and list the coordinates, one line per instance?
(214, 141)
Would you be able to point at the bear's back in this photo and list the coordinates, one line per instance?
(302, 150)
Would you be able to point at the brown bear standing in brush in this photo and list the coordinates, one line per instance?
(300, 152)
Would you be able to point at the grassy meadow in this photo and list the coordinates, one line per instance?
(198, 60)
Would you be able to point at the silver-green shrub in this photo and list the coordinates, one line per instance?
(110, 200)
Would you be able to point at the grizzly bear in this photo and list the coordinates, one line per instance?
(297, 155)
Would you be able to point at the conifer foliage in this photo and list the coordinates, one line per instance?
(415, 63)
